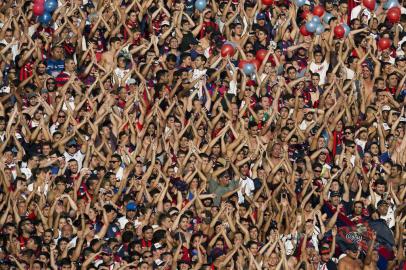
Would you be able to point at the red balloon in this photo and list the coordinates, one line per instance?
(369, 4)
(393, 15)
(242, 63)
(38, 9)
(339, 31)
(384, 43)
(260, 55)
(256, 63)
(227, 49)
(304, 31)
(41, 2)
(318, 11)
(267, 2)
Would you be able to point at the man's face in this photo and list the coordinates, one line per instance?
(2, 125)
(148, 234)
(393, 80)
(57, 53)
(28, 226)
(71, 149)
(344, 8)
(73, 165)
(70, 65)
(358, 209)
(262, 36)
(8, 36)
(335, 200)
(114, 163)
(394, 172)
(348, 134)
(318, 56)
(380, 189)
(292, 74)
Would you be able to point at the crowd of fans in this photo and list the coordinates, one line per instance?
(127, 141)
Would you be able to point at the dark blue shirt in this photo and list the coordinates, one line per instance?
(54, 67)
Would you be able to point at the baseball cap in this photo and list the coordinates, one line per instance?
(400, 58)
(261, 16)
(382, 202)
(386, 108)
(71, 142)
(109, 208)
(131, 206)
(157, 263)
(157, 246)
(107, 250)
(165, 23)
(31, 95)
(352, 247)
(325, 249)
(173, 210)
(335, 194)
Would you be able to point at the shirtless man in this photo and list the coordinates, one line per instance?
(108, 58)
(351, 261)
(372, 256)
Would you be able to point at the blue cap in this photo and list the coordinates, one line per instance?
(131, 206)
(261, 16)
(71, 142)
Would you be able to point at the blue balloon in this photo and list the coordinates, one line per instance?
(327, 16)
(300, 3)
(200, 5)
(346, 28)
(311, 26)
(316, 19)
(319, 29)
(50, 5)
(45, 18)
(390, 4)
(248, 69)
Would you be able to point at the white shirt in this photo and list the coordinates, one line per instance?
(321, 69)
(123, 221)
(247, 188)
(199, 85)
(366, 14)
(78, 156)
(120, 173)
(121, 73)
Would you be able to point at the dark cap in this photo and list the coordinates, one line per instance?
(335, 194)
(157, 246)
(353, 247)
(382, 202)
(400, 58)
(107, 250)
(261, 16)
(71, 142)
(109, 208)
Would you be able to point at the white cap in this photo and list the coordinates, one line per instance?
(385, 108)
